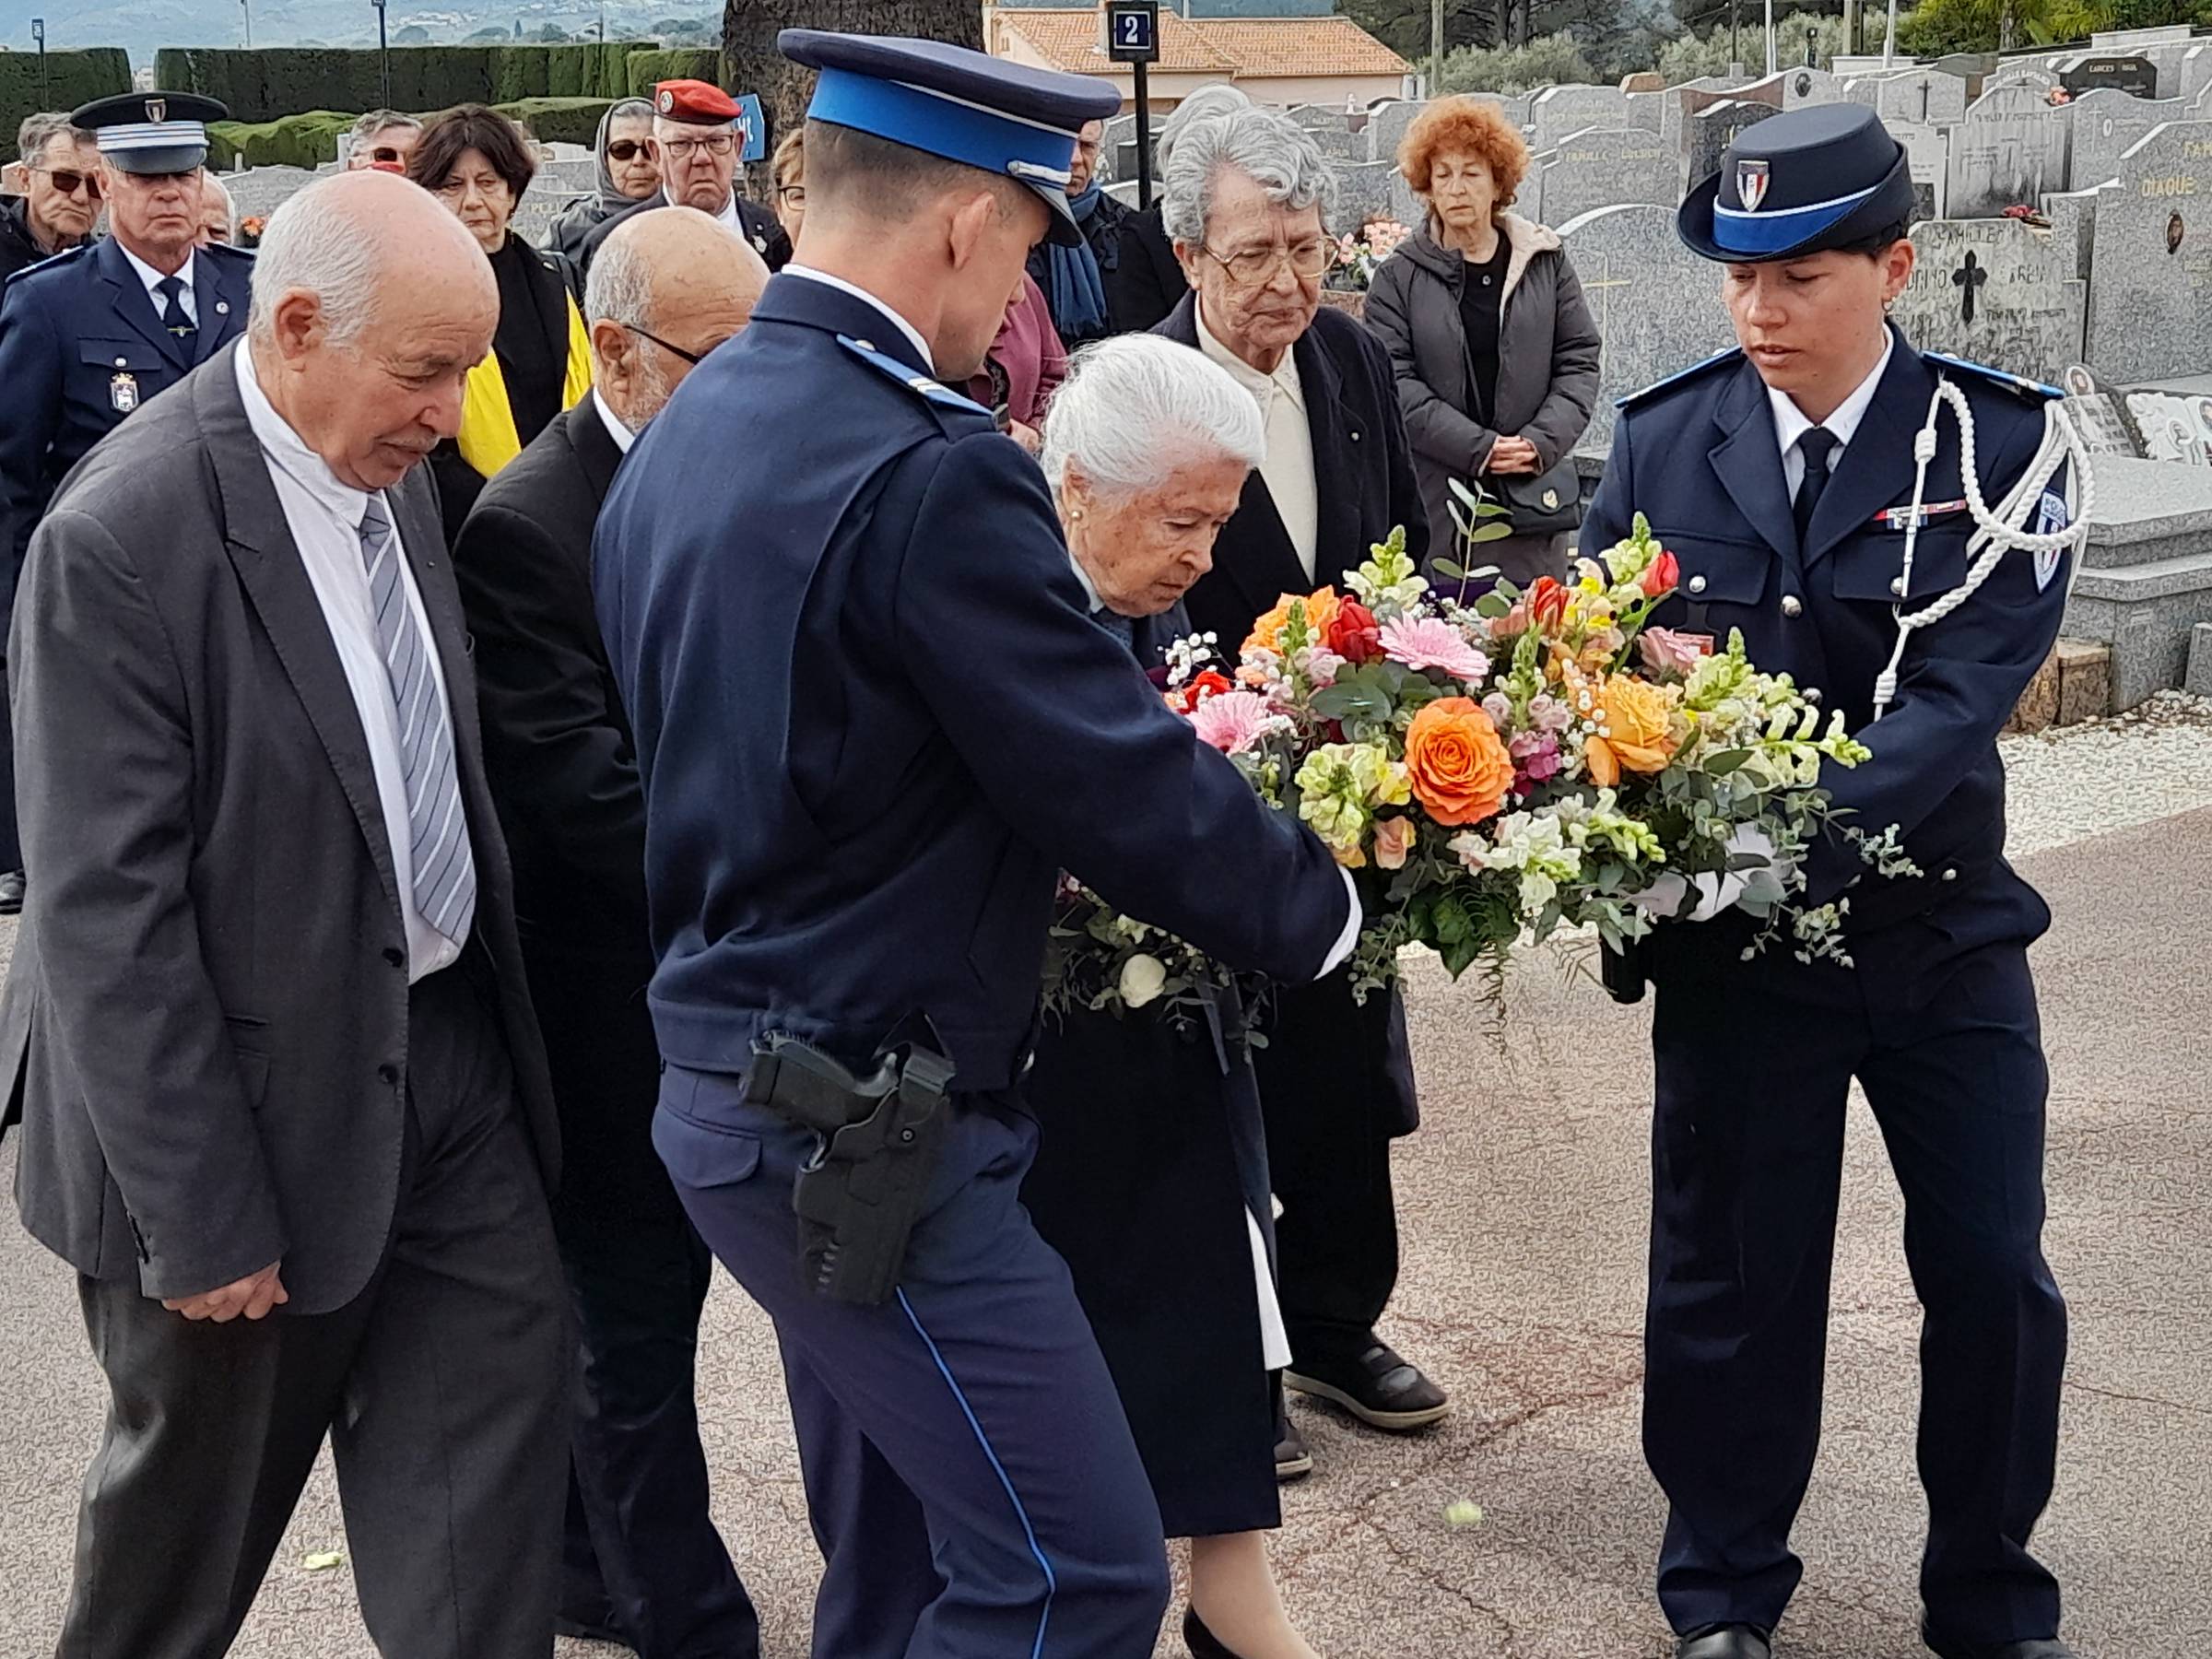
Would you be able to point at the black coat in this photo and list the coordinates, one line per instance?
(761, 228)
(19, 248)
(564, 771)
(1153, 1152)
(1325, 1054)
(1147, 282)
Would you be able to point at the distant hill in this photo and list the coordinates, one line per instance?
(142, 27)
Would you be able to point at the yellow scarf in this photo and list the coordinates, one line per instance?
(487, 436)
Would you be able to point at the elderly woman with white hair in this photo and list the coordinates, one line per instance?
(1247, 202)
(1147, 282)
(1151, 1176)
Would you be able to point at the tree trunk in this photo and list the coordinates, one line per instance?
(751, 62)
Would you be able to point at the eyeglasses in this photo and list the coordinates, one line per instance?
(68, 180)
(1257, 265)
(714, 144)
(624, 149)
(692, 357)
(792, 196)
(385, 152)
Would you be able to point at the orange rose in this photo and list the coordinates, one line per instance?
(1321, 611)
(1639, 734)
(1460, 770)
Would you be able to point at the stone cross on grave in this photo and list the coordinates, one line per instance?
(1603, 288)
(1967, 278)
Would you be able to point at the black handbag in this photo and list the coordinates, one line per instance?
(1546, 503)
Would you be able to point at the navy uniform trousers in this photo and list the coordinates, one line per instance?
(979, 1384)
(1754, 1059)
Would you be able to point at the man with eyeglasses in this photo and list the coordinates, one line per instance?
(57, 210)
(1247, 204)
(696, 144)
(90, 335)
(644, 1565)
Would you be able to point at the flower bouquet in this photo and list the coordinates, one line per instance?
(1359, 256)
(1507, 768)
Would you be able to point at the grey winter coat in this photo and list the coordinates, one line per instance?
(1548, 352)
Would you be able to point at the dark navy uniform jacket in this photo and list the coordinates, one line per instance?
(81, 345)
(1698, 456)
(874, 719)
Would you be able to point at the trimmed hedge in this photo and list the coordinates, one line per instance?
(269, 84)
(312, 138)
(683, 63)
(72, 78)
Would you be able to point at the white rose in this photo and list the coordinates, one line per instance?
(1143, 978)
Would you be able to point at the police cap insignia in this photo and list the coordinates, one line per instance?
(1807, 179)
(150, 132)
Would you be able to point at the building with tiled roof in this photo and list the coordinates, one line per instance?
(1278, 59)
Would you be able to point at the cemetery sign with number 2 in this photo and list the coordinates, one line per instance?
(1132, 32)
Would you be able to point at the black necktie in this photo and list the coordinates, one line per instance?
(1816, 446)
(174, 315)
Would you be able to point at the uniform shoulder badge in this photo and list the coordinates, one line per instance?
(2051, 519)
(2030, 390)
(935, 392)
(1733, 355)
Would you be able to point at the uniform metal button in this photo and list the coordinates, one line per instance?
(387, 1073)
(1792, 606)
(1950, 875)
(1897, 586)
(1355, 435)
(122, 362)
(1696, 584)
(395, 957)
(1811, 694)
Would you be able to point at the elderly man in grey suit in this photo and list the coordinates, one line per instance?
(286, 1108)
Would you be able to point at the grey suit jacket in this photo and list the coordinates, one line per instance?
(207, 1011)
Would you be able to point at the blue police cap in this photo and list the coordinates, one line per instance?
(151, 131)
(965, 106)
(1799, 183)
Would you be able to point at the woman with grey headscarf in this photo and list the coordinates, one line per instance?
(1147, 282)
(627, 176)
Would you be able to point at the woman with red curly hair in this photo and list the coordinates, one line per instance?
(1494, 347)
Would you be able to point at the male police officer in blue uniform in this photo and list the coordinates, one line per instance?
(873, 719)
(1782, 475)
(88, 335)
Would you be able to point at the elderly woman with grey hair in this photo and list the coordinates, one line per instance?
(627, 176)
(1151, 1175)
(1248, 201)
(1147, 281)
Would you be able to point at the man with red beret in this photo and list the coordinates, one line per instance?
(696, 143)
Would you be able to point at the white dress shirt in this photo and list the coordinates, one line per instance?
(621, 434)
(913, 334)
(1792, 423)
(153, 279)
(324, 516)
(1289, 470)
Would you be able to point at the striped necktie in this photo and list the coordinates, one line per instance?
(444, 871)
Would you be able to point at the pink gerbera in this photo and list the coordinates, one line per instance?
(1233, 721)
(1431, 642)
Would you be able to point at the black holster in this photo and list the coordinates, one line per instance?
(877, 1143)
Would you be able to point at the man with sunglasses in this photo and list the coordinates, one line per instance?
(88, 335)
(57, 211)
(383, 140)
(644, 1565)
(697, 144)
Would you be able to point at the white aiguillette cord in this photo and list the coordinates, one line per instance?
(1999, 532)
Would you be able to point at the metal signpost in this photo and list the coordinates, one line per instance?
(383, 49)
(1133, 37)
(37, 37)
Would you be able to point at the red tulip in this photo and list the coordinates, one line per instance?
(1664, 577)
(1355, 635)
(1547, 602)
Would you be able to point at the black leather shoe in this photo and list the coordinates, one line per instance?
(1951, 1647)
(1727, 1642)
(1292, 1460)
(11, 893)
(1203, 1643)
(1379, 1388)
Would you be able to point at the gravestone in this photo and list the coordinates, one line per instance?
(1405, 206)
(260, 190)
(1928, 159)
(1795, 89)
(1657, 305)
(2010, 148)
(535, 214)
(2072, 215)
(568, 174)
(2019, 75)
(1340, 145)
(1599, 169)
(2137, 75)
(2191, 76)
(1712, 131)
(1556, 111)
(1979, 70)
(2175, 427)
(1320, 117)
(1994, 291)
(2107, 125)
(2150, 266)
(1678, 104)
(2098, 417)
(1644, 80)
(1362, 194)
(1921, 97)
(1386, 128)
(560, 151)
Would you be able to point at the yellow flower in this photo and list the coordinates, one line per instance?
(1321, 610)
(1636, 730)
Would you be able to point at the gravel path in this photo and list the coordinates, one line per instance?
(2075, 781)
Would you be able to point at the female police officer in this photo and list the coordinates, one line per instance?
(1783, 476)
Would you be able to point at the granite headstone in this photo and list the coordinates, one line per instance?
(2137, 75)
(1712, 131)
(260, 190)
(2150, 266)
(1600, 168)
(1994, 291)
(1556, 111)
(2011, 148)
(2107, 125)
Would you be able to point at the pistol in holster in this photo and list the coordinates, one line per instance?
(877, 1142)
